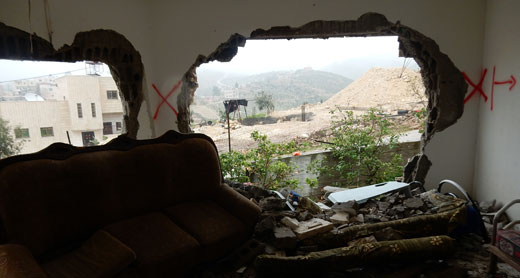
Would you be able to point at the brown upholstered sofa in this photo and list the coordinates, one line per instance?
(150, 208)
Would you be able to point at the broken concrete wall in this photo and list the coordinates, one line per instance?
(498, 154)
(171, 35)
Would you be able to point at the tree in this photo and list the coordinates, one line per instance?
(264, 101)
(8, 146)
(361, 150)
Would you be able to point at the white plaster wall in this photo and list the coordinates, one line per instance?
(109, 105)
(35, 115)
(170, 34)
(498, 153)
(84, 90)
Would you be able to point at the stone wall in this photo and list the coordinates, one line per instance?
(301, 163)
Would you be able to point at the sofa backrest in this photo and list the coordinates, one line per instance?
(47, 202)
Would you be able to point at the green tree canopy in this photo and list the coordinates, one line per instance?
(264, 101)
(8, 146)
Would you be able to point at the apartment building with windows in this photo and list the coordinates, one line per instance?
(88, 108)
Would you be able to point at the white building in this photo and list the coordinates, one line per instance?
(88, 108)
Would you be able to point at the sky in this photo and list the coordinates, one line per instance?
(256, 57)
(271, 55)
(15, 70)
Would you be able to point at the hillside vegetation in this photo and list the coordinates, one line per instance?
(289, 88)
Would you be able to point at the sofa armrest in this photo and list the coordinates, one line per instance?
(16, 261)
(238, 205)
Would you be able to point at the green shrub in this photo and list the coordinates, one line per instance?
(235, 166)
(260, 165)
(361, 150)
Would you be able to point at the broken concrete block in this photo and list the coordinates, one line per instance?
(340, 218)
(323, 206)
(290, 222)
(307, 204)
(265, 225)
(284, 238)
(283, 232)
(313, 227)
(272, 203)
(349, 207)
(304, 215)
(413, 203)
(383, 206)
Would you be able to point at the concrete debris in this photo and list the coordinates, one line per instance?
(323, 207)
(290, 222)
(340, 218)
(272, 203)
(307, 229)
(265, 226)
(284, 238)
(413, 203)
(349, 207)
(312, 227)
(309, 205)
(304, 215)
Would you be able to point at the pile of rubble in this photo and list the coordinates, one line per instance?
(294, 226)
(281, 228)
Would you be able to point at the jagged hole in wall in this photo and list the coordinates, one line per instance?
(49, 102)
(104, 46)
(444, 83)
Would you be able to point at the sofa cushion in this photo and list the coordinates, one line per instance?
(217, 231)
(162, 248)
(100, 256)
(16, 261)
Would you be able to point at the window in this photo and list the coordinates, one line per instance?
(118, 126)
(93, 107)
(47, 131)
(111, 94)
(107, 128)
(80, 111)
(21, 133)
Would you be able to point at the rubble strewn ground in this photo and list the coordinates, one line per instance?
(391, 90)
(311, 232)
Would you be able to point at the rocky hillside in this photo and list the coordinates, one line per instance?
(389, 89)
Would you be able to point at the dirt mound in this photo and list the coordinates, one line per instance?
(389, 89)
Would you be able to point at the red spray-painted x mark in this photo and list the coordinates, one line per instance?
(476, 88)
(165, 99)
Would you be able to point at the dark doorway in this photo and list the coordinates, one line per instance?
(88, 138)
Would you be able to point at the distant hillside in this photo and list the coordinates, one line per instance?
(289, 88)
